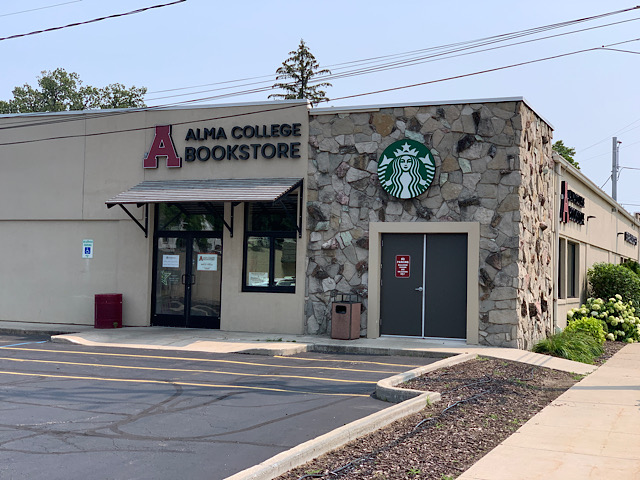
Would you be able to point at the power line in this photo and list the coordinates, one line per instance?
(472, 44)
(52, 29)
(618, 50)
(389, 66)
(446, 51)
(39, 8)
(338, 98)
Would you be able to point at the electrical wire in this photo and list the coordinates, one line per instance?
(268, 88)
(334, 99)
(448, 54)
(39, 8)
(468, 44)
(86, 22)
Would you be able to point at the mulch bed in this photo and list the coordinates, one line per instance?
(483, 402)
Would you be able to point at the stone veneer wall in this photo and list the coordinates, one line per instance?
(537, 212)
(491, 168)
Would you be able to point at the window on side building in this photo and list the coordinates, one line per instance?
(562, 274)
(270, 246)
(573, 252)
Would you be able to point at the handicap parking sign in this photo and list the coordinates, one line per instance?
(87, 248)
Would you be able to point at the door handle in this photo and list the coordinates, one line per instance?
(184, 278)
(193, 279)
(419, 289)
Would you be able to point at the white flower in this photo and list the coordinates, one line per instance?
(610, 337)
(618, 296)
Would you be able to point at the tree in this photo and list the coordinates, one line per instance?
(301, 67)
(566, 152)
(60, 91)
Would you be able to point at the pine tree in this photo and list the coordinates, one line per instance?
(301, 67)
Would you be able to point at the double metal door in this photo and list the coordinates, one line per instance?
(424, 285)
(188, 277)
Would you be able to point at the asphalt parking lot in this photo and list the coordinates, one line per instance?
(70, 411)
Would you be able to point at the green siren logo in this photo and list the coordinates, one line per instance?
(406, 169)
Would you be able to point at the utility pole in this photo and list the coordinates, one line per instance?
(614, 168)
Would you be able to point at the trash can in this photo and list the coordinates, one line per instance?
(108, 310)
(345, 317)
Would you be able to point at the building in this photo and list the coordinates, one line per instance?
(254, 217)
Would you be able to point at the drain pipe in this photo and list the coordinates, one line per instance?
(557, 170)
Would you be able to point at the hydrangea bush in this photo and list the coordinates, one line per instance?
(618, 318)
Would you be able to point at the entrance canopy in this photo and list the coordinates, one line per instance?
(204, 192)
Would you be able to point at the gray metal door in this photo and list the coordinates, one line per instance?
(424, 285)
(446, 286)
(401, 299)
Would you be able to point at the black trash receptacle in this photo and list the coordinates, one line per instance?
(108, 310)
(345, 317)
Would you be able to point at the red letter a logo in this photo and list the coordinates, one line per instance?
(162, 146)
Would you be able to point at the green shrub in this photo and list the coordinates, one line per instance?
(620, 320)
(633, 266)
(589, 325)
(576, 346)
(606, 280)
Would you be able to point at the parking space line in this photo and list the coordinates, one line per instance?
(187, 384)
(192, 359)
(56, 362)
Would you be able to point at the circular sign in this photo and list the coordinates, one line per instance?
(406, 169)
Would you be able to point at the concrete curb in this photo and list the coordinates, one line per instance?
(386, 389)
(303, 453)
(289, 349)
(367, 350)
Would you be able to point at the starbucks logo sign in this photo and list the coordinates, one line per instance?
(406, 169)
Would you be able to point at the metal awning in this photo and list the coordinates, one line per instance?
(215, 190)
(202, 192)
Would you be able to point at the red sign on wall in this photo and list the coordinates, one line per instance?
(403, 263)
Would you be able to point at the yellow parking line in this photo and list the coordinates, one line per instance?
(188, 384)
(347, 361)
(183, 370)
(194, 359)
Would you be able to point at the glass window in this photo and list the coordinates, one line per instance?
(561, 268)
(270, 246)
(190, 217)
(572, 269)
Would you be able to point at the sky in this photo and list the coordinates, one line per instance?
(587, 97)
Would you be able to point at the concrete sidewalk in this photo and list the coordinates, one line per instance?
(200, 340)
(592, 431)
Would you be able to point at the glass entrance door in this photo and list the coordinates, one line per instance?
(187, 267)
(205, 281)
(188, 281)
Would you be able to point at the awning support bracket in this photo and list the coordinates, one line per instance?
(286, 210)
(145, 227)
(211, 211)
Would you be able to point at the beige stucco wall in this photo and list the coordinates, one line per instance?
(56, 177)
(598, 238)
(44, 279)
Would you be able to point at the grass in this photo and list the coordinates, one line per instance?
(576, 346)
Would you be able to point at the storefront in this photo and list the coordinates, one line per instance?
(443, 218)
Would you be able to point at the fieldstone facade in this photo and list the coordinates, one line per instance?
(493, 166)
